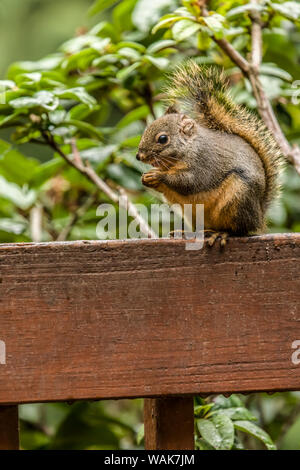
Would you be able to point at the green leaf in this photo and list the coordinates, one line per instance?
(140, 435)
(46, 171)
(4, 146)
(124, 176)
(159, 62)
(167, 21)
(209, 432)
(80, 61)
(78, 94)
(290, 439)
(122, 15)
(184, 29)
(128, 71)
(105, 29)
(255, 431)
(203, 445)
(129, 53)
(79, 112)
(100, 5)
(98, 154)
(9, 95)
(159, 45)
(238, 11)
(13, 226)
(290, 10)
(131, 141)
(225, 428)
(238, 413)
(133, 45)
(146, 13)
(48, 63)
(4, 84)
(217, 431)
(133, 116)
(29, 78)
(215, 23)
(21, 197)
(223, 402)
(17, 168)
(43, 99)
(85, 127)
(57, 117)
(82, 429)
(32, 439)
(8, 121)
(201, 410)
(86, 42)
(272, 69)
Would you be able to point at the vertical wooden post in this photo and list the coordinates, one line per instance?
(169, 423)
(9, 428)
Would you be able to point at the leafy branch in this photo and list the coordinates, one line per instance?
(195, 17)
(251, 70)
(86, 170)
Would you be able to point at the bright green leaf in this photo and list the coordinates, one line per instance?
(251, 428)
(289, 9)
(100, 5)
(133, 116)
(44, 99)
(78, 94)
(184, 29)
(21, 197)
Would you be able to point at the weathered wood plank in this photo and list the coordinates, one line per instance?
(169, 423)
(9, 428)
(148, 318)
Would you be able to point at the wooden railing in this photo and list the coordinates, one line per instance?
(147, 318)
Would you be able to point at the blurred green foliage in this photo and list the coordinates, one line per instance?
(31, 29)
(99, 89)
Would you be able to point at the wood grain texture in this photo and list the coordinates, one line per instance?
(169, 423)
(147, 318)
(9, 428)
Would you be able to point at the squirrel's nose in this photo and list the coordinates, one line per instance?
(140, 156)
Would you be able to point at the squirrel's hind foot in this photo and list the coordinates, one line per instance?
(215, 235)
(210, 234)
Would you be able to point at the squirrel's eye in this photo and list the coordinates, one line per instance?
(163, 139)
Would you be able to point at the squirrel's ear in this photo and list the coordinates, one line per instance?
(187, 125)
(171, 110)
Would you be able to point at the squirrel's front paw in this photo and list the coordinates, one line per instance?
(152, 179)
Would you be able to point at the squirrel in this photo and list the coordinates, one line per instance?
(208, 150)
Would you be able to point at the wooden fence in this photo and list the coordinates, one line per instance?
(147, 318)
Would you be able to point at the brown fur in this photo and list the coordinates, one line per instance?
(218, 154)
(215, 201)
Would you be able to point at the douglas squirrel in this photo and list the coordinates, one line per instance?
(208, 150)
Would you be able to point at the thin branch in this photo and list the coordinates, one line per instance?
(75, 217)
(234, 55)
(88, 172)
(256, 37)
(250, 70)
(36, 215)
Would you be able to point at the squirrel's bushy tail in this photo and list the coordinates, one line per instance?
(203, 93)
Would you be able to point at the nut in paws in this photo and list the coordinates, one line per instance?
(151, 179)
